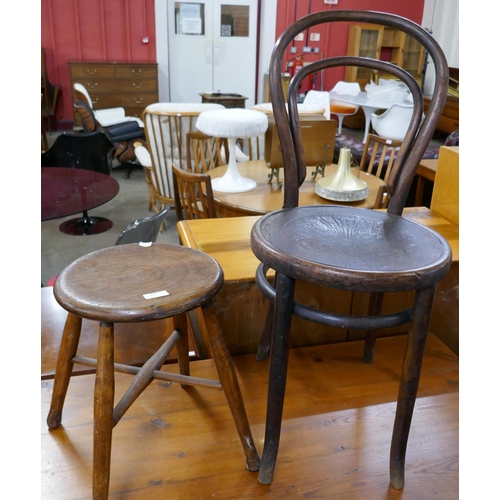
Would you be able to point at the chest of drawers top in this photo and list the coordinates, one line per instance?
(112, 70)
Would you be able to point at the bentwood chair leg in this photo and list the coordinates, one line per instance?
(67, 351)
(408, 387)
(230, 387)
(104, 394)
(374, 309)
(265, 338)
(280, 347)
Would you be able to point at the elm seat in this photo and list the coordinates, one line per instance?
(347, 248)
(109, 286)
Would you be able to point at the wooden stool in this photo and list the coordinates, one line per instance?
(112, 286)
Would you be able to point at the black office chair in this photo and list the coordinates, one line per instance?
(88, 151)
(347, 248)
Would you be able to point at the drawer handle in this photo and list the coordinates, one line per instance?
(137, 85)
(138, 100)
(95, 101)
(92, 85)
(136, 71)
(91, 71)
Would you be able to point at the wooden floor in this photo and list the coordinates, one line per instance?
(176, 443)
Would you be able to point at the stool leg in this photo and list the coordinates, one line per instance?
(278, 364)
(229, 382)
(408, 387)
(181, 323)
(67, 351)
(104, 395)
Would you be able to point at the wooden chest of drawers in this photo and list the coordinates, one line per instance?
(132, 86)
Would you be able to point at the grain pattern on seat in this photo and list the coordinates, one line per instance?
(81, 287)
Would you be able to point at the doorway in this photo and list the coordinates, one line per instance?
(212, 48)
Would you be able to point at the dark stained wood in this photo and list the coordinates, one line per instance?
(346, 248)
(181, 444)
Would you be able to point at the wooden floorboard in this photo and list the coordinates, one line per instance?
(182, 444)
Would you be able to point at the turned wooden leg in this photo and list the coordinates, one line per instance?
(408, 387)
(181, 324)
(67, 351)
(374, 309)
(229, 382)
(278, 365)
(104, 394)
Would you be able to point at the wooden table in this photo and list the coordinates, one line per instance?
(425, 171)
(242, 308)
(267, 197)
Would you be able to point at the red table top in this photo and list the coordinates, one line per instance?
(68, 191)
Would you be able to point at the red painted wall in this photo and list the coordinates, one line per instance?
(94, 30)
(334, 43)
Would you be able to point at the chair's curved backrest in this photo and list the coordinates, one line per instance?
(393, 123)
(320, 99)
(416, 138)
(88, 151)
(166, 126)
(194, 198)
(82, 94)
(143, 230)
(86, 114)
(204, 152)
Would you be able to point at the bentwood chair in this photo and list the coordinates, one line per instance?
(378, 159)
(347, 248)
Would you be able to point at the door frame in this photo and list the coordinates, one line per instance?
(266, 37)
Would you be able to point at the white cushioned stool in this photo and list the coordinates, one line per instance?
(232, 123)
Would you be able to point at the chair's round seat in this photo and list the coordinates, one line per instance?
(236, 123)
(351, 248)
(109, 284)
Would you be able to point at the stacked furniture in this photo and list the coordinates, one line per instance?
(130, 85)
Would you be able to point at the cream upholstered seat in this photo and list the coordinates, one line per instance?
(166, 126)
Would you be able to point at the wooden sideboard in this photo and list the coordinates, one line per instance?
(132, 86)
(449, 118)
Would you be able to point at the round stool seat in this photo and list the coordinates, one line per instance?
(234, 123)
(109, 284)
